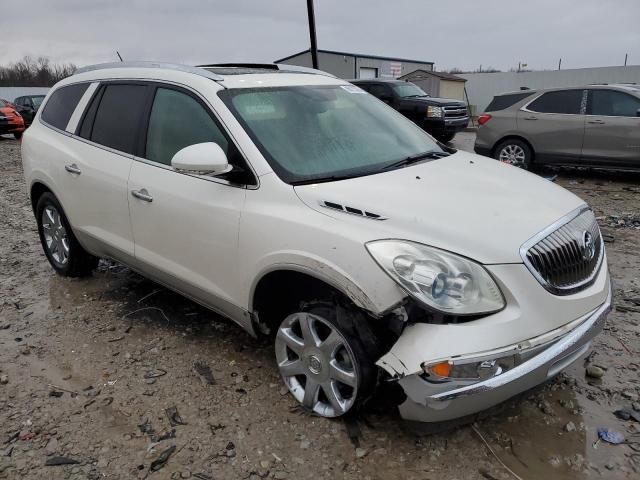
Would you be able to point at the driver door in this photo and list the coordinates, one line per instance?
(185, 227)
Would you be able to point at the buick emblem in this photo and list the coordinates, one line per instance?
(588, 246)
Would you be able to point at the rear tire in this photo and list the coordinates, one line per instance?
(514, 152)
(322, 360)
(64, 252)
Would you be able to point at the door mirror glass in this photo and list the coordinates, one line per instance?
(201, 158)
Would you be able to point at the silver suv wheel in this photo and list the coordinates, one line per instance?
(55, 235)
(513, 155)
(317, 364)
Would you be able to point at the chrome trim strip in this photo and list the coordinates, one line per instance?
(556, 351)
(544, 234)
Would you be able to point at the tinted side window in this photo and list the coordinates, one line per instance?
(379, 91)
(505, 101)
(613, 104)
(118, 116)
(62, 103)
(178, 120)
(564, 101)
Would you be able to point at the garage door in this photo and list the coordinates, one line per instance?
(368, 73)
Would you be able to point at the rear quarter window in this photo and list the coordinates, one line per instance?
(61, 105)
(505, 101)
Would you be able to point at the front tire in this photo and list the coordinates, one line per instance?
(514, 152)
(446, 137)
(322, 361)
(64, 252)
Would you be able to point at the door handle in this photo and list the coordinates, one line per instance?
(596, 122)
(73, 168)
(531, 118)
(142, 194)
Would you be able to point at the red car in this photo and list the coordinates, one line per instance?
(10, 120)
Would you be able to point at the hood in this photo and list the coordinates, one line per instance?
(436, 101)
(464, 203)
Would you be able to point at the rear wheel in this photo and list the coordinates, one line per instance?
(60, 245)
(322, 362)
(514, 152)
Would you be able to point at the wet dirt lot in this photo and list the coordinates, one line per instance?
(89, 368)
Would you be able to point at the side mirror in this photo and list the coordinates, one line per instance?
(201, 158)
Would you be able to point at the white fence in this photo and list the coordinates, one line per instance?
(11, 93)
(481, 87)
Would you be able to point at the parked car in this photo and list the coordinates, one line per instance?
(309, 212)
(441, 117)
(27, 106)
(592, 126)
(10, 120)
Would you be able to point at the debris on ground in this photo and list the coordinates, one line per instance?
(594, 371)
(610, 436)
(174, 417)
(162, 459)
(203, 372)
(627, 413)
(55, 461)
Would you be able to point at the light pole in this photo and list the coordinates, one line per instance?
(312, 33)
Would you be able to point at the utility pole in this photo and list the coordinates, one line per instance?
(626, 55)
(312, 33)
(559, 64)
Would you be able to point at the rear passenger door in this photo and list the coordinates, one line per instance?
(97, 171)
(612, 129)
(186, 226)
(554, 125)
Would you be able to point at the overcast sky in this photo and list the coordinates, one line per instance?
(451, 33)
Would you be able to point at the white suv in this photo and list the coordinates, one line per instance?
(303, 208)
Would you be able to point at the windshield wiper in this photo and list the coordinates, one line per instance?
(431, 154)
(330, 178)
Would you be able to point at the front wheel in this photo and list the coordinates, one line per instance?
(60, 245)
(514, 152)
(322, 363)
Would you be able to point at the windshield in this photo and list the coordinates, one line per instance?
(37, 100)
(409, 90)
(325, 132)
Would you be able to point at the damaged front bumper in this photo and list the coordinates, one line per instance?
(429, 400)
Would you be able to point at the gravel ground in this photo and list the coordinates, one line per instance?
(89, 368)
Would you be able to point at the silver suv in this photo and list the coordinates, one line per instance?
(595, 126)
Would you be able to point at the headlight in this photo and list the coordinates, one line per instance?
(435, 112)
(444, 281)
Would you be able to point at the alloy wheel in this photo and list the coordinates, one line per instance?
(317, 364)
(513, 155)
(55, 235)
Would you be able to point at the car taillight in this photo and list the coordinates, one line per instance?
(484, 118)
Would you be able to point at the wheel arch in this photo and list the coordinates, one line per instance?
(297, 282)
(36, 190)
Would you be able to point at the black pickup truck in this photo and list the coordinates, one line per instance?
(441, 117)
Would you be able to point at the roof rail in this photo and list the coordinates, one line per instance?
(170, 66)
(282, 67)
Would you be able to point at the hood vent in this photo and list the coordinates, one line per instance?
(353, 211)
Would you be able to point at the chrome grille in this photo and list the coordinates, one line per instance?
(566, 257)
(455, 111)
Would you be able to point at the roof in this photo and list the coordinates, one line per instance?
(351, 54)
(441, 75)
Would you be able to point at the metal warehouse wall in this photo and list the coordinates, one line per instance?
(348, 66)
(481, 87)
(11, 93)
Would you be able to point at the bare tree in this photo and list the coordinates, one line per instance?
(34, 73)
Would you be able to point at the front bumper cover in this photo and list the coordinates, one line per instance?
(437, 402)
